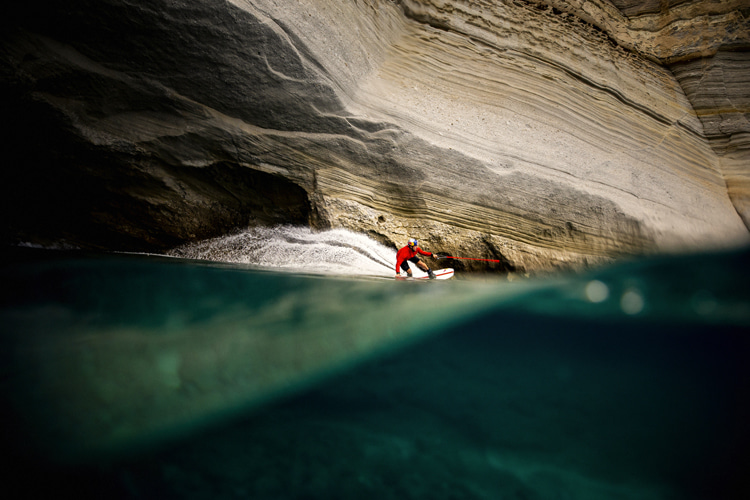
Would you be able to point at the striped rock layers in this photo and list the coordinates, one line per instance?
(542, 135)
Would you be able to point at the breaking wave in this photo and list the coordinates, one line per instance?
(294, 248)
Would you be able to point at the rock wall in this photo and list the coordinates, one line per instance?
(543, 135)
(706, 45)
(717, 86)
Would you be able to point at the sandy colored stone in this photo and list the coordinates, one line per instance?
(544, 134)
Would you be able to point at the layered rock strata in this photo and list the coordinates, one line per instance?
(718, 89)
(506, 129)
(706, 45)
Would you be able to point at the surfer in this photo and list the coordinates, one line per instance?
(409, 254)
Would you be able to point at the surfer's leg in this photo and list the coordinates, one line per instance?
(423, 267)
(415, 261)
(405, 267)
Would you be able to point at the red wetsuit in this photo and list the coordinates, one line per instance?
(407, 253)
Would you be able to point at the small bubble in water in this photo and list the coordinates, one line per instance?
(596, 291)
(632, 301)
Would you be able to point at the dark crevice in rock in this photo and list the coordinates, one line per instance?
(59, 187)
(495, 254)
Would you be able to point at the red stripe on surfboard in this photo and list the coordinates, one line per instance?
(441, 272)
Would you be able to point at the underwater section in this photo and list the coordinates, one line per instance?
(137, 376)
(128, 349)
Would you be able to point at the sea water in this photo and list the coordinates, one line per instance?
(287, 364)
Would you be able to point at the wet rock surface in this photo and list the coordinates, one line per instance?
(544, 135)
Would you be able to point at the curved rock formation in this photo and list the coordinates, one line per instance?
(705, 45)
(542, 134)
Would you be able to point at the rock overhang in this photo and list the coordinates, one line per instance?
(510, 124)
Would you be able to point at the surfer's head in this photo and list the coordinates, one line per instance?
(412, 243)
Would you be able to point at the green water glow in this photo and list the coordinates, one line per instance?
(159, 377)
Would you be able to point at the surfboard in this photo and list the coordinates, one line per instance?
(440, 274)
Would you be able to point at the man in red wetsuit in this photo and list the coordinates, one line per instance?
(409, 254)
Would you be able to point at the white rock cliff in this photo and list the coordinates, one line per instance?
(544, 134)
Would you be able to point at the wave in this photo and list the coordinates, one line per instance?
(295, 248)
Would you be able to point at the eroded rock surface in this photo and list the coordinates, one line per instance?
(548, 134)
(718, 89)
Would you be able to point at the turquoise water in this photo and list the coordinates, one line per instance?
(133, 376)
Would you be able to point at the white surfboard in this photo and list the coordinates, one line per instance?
(440, 274)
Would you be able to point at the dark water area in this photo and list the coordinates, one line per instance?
(148, 377)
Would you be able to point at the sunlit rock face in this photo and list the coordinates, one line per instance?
(538, 134)
(706, 47)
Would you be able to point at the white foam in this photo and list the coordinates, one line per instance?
(335, 251)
